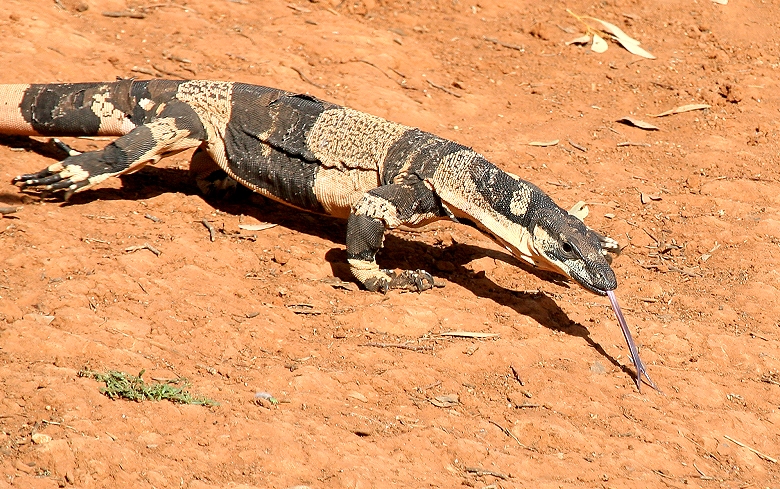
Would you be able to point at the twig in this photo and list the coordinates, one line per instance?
(651, 236)
(511, 435)
(305, 78)
(398, 73)
(762, 455)
(145, 246)
(369, 63)
(703, 475)
(152, 218)
(169, 73)
(60, 424)
(399, 345)
(577, 146)
(479, 471)
(400, 83)
(633, 143)
(506, 45)
(158, 5)
(145, 71)
(210, 227)
(132, 15)
(662, 474)
(444, 89)
(516, 375)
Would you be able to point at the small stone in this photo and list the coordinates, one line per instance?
(281, 257)
(82, 7)
(41, 439)
(597, 368)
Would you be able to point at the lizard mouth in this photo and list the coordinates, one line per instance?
(592, 288)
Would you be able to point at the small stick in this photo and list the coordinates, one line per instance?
(632, 143)
(152, 218)
(577, 146)
(511, 435)
(132, 15)
(305, 78)
(762, 455)
(145, 71)
(169, 73)
(399, 345)
(145, 246)
(444, 89)
(212, 231)
(479, 471)
(158, 5)
(662, 474)
(398, 73)
(506, 45)
(516, 375)
(703, 475)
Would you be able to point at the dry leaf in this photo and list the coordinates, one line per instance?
(721, 2)
(544, 143)
(585, 39)
(599, 44)
(469, 334)
(683, 108)
(256, 227)
(638, 123)
(579, 210)
(628, 42)
(647, 198)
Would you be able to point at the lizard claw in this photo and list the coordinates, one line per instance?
(418, 280)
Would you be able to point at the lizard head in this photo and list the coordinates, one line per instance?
(560, 242)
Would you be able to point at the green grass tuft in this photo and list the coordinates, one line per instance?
(120, 385)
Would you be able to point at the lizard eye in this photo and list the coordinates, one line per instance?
(567, 248)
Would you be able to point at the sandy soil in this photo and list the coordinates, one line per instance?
(267, 311)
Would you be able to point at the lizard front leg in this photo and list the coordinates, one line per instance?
(382, 208)
(178, 128)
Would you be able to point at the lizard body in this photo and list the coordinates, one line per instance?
(312, 155)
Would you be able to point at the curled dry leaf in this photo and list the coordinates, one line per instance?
(599, 44)
(638, 123)
(469, 334)
(257, 227)
(683, 108)
(585, 39)
(544, 143)
(579, 210)
(628, 42)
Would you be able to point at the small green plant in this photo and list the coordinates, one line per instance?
(120, 385)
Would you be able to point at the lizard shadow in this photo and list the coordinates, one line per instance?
(153, 181)
(539, 306)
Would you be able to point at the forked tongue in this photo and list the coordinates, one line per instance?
(640, 367)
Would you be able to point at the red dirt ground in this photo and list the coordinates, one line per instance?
(267, 311)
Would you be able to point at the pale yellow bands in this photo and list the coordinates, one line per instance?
(11, 120)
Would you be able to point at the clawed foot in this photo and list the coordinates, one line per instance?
(77, 172)
(414, 280)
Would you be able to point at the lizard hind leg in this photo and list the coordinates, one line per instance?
(212, 180)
